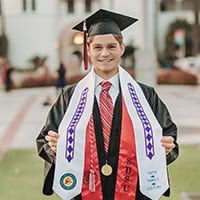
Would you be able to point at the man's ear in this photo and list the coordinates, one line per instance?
(122, 48)
(88, 49)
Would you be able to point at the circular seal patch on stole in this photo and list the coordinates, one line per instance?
(68, 181)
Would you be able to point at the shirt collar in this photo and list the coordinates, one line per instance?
(114, 80)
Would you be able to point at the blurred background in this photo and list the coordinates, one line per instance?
(40, 53)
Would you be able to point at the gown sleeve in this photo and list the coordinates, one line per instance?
(163, 116)
(53, 120)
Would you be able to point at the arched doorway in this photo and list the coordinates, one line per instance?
(70, 50)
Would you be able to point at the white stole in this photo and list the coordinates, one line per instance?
(151, 156)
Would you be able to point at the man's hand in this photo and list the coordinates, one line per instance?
(52, 139)
(168, 143)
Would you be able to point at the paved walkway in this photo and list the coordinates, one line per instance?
(22, 114)
(184, 105)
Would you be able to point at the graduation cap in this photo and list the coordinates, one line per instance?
(102, 22)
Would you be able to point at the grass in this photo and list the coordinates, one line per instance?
(185, 172)
(21, 174)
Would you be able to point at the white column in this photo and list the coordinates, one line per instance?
(178, 5)
(146, 65)
(112, 4)
(105, 4)
(80, 7)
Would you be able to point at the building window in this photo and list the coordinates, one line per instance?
(70, 6)
(33, 5)
(24, 5)
(88, 5)
(163, 6)
(29, 5)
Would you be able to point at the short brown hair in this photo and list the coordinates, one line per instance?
(119, 38)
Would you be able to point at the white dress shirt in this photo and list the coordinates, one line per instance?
(114, 89)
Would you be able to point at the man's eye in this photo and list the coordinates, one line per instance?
(112, 47)
(97, 47)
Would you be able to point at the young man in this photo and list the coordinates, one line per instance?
(108, 137)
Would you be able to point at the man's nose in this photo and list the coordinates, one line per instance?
(105, 52)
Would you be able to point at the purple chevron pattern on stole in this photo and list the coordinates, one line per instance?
(148, 132)
(71, 130)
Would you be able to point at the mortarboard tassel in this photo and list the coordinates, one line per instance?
(85, 53)
(92, 181)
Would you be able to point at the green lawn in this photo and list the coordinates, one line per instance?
(185, 172)
(21, 174)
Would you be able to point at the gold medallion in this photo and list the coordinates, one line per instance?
(106, 170)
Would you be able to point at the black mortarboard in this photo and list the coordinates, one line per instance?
(103, 22)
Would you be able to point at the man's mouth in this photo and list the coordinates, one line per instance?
(105, 60)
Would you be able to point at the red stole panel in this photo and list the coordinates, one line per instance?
(127, 174)
(86, 193)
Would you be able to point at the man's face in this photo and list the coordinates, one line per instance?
(105, 53)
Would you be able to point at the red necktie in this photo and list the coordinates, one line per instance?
(106, 111)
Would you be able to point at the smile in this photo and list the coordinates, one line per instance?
(105, 60)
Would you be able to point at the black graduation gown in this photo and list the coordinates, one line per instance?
(108, 183)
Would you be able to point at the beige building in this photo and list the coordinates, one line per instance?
(43, 27)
